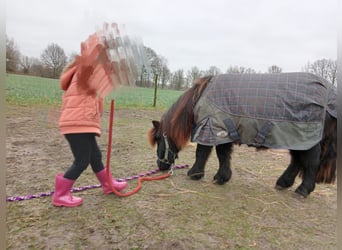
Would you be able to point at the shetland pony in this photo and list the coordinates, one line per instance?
(172, 133)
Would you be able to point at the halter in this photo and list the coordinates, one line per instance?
(167, 151)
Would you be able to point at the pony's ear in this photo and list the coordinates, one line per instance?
(151, 136)
(156, 124)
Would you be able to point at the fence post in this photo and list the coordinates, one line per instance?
(155, 89)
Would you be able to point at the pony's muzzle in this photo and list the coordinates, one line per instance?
(162, 165)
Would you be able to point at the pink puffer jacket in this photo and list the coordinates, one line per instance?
(81, 110)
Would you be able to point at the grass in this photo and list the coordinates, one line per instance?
(25, 90)
(31, 90)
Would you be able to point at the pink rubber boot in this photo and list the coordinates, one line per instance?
(62, 195)
(102, 177)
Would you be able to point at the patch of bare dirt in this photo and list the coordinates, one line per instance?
(175, 213)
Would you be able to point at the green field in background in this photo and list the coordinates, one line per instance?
(30, 90)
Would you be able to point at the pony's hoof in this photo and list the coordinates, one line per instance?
(301, 192)
(220, 180)
(283, 183)
(278, 187)
(195, 176)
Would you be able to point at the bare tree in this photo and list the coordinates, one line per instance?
(12, 56)
(325, 68)
(26, 64)
(332, 74)
(152, 66)
(54, 60)
(192, 75)
(165, 73)
(240, 70)
(37, 67)
(274, 69)
(155, 64)
(177, 79)
(213, 70)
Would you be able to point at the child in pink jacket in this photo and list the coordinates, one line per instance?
(79, 122)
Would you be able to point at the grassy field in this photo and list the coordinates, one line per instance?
(23, 90)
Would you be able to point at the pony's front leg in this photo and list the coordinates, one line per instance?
(202, 155)
(224, 173)
(310, 161)
(288, 177)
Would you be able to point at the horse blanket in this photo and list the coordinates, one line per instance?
(285, 110)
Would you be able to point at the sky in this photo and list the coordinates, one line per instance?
(249, 33)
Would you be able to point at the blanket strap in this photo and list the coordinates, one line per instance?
(263, 132)
(231, 128)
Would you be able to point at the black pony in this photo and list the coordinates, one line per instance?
(294, 111)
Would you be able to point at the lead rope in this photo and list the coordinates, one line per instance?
(83, 188)
(108, 172)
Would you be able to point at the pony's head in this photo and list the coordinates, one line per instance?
(173, 132)
(167, 151)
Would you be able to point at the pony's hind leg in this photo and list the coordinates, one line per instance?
(306, 162)
(310, 160)
(202, 155)
(287, 179)
(224, 173)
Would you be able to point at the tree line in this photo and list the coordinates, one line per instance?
(53, 59)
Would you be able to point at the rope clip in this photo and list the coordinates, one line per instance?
(172, 170)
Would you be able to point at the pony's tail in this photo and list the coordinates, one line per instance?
(327, 169)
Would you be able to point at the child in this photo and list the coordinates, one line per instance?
(79, 122)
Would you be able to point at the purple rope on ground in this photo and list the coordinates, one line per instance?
(79, 189)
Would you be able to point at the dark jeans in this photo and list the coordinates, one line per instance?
(86, 151)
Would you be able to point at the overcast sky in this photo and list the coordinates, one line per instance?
(223, 33)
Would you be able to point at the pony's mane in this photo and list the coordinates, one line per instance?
(177, 122)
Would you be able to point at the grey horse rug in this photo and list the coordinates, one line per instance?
(285, 110)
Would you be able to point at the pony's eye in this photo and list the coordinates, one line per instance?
(157, 137)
